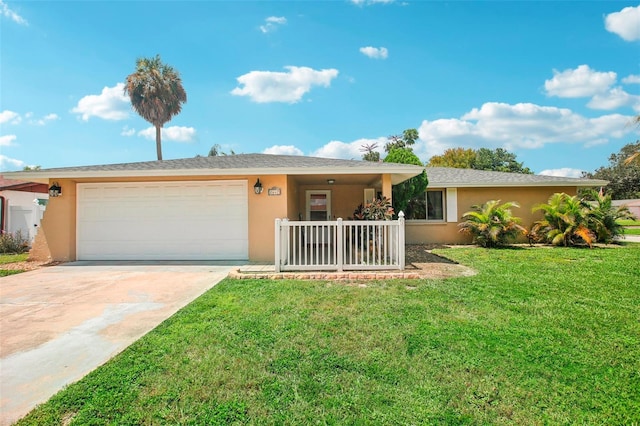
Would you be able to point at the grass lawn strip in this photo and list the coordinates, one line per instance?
(12, 258)
(7, 259)
(539, 336)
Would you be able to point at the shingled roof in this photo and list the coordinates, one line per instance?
(450, 177)
(267, 164)
(230, 165)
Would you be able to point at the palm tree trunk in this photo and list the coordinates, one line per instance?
(158, 143)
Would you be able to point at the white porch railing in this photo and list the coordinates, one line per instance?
(339, 245)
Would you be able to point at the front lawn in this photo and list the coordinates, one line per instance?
(11, 258)
(631, 231)
(539, 336)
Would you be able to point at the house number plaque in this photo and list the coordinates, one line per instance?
(273, 191)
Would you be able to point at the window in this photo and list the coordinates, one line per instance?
(428, 207)
(435, 205)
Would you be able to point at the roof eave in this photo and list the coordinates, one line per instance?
(402, 172)
(588, 184)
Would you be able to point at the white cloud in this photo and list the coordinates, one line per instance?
(173, 133)
(7, 116)
(613, 99)
(6, 12)
(8, 164)
(562, 172)
(578, 83)
(290, 86)
(44, 120)
(126, 131)
(631, 79)
(521, 125)
(625, 23)
(348, 150)
(110, 104)
(375, 52)
(272, 23)
(283, 150)
(370, 2)
(7, 140)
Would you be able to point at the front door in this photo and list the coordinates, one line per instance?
(319, 205)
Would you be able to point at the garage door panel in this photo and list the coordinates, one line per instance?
(163, 221)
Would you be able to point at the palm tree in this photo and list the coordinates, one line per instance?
(603, 217)
(156, 93)
(565, 220)
(492, 224)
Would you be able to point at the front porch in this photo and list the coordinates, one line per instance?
(352, 245)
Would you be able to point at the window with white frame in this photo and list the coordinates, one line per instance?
(430, 206)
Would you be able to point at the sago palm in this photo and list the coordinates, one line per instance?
(492, 224)
(565, 221)
(603, 217)
(156, 93)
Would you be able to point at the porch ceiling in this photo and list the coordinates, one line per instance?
(371, 180)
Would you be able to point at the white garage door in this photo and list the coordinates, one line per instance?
(163, 221)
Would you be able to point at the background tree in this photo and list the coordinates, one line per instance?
(156, 93)
(459, 158)
(624, 179)
(499, 160)
(404, 141)
(370, 153)
(216, 150)
(404, 192)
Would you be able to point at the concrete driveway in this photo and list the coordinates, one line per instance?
(59, 323)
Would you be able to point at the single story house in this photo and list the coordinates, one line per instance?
(22, 206)
(225, 207)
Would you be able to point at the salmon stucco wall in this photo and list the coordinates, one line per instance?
(263, 211)
(293, 209)
(422, 232)
(59, 223)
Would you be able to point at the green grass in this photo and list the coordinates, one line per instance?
(11, 258)
(632, 231)
(7, 272)
(539, 336)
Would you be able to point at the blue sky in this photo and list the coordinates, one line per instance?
(557, 83)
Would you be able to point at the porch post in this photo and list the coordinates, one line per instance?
(401, 248)
(386, 187)
(340, 245)
(277, 245)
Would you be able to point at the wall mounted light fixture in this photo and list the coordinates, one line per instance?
(331, 181)
(257, 188)
(55, 190)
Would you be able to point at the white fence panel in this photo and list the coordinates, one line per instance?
(339, 245)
